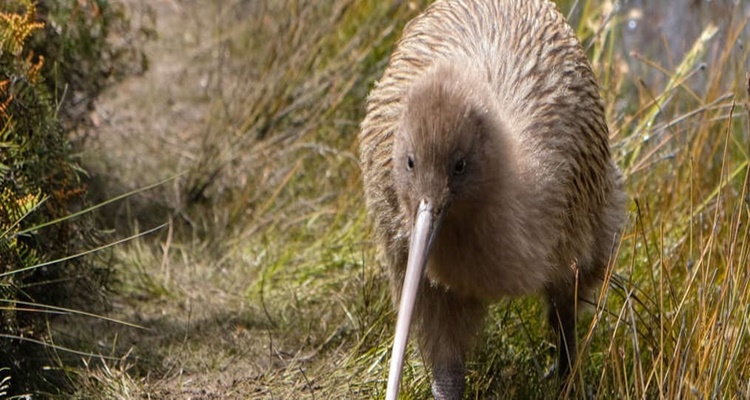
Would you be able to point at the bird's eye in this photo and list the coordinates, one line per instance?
(410, 163)
(460, 167)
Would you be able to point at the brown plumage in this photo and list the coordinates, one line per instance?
(485, 150)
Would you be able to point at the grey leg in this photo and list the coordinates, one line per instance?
(448, 382)
(562, 317)
(447, 326)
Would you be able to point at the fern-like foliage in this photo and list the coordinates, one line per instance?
(15, 27)
(39, 182)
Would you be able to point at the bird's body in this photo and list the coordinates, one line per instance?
(488, 118)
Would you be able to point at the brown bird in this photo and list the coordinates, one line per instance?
(487, 173)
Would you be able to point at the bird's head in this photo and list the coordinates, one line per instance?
(443, 147)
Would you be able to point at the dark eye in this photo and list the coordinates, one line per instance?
(460, 167)
(410, 163)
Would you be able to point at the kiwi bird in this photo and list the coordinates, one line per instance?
(487, 174)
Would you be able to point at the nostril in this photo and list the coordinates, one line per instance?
(425, 205)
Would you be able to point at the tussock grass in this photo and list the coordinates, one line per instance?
(267, 284)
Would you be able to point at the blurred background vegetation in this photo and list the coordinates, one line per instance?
(236, 126)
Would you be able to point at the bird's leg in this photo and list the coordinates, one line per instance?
(447, 326)
(448, 381)
(562, 317)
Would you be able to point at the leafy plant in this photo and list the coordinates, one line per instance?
(40, 179)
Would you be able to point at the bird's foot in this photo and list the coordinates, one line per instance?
(551, 372)
(448, 382)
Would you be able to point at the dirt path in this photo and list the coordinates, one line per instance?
(195, 344)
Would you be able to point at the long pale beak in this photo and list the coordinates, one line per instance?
(419, 247)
